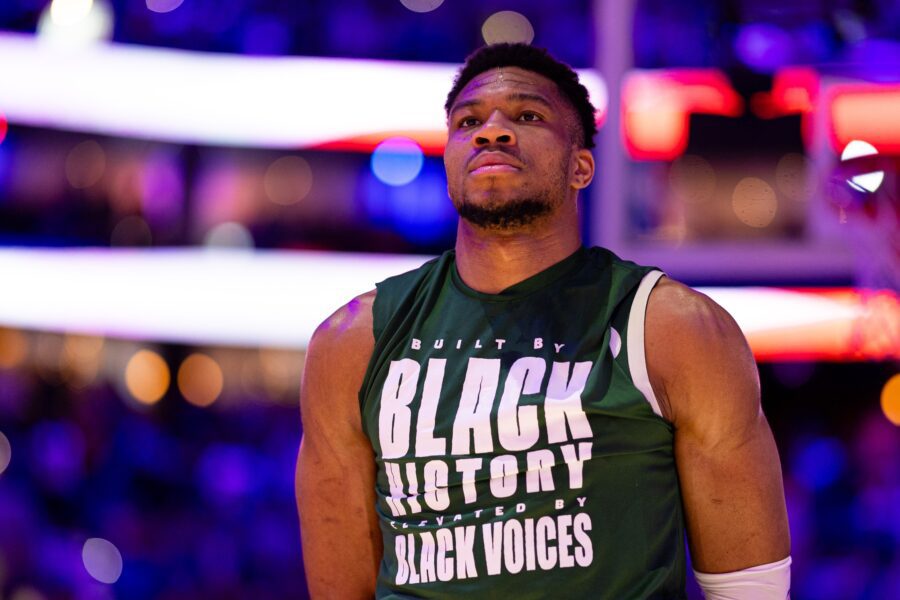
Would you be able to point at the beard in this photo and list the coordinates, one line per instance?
(505, 216)
(507, 210)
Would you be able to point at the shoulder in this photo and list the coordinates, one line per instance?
(348, 328)
(342, 345)
(681, 310)
(336, 362)
(696, 353)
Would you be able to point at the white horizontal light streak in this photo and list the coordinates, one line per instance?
(193, 296)
(760, 309)
(191, 97)
(274, 298)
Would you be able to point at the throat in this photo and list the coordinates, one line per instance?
(492, 265)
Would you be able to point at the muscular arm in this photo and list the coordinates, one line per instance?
(705, 379)
(335, 477)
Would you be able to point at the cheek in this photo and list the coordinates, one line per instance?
(453, 162)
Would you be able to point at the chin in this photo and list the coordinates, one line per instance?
(508, 214)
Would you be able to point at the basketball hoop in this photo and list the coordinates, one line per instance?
(863, 190)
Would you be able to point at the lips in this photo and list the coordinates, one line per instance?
(493, 162)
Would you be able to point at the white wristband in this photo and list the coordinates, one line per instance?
(765, 582)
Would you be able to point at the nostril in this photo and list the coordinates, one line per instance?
(503, 139)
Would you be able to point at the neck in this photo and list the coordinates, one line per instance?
(490, 261)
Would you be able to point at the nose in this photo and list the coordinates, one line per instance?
(495, 131)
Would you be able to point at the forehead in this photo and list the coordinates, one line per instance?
(509, 80)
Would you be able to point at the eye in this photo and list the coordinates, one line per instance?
(530, 117)
(468, 122)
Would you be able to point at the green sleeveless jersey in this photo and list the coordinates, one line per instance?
(520, 450)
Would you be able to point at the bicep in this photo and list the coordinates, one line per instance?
(727, 461)
(335, 476)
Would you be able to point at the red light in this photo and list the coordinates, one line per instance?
(656, 107)
(868, 112)
(4, 127)
(431, 142)
(794, 91)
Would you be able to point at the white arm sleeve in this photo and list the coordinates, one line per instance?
(765, 582)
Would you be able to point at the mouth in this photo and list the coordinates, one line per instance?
(494, 169)
(493, 163)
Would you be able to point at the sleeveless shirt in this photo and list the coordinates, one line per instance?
(520, 450)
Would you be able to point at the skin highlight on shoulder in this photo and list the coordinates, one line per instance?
(350, 324)
(687, 336)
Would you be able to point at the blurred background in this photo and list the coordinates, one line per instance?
(187, 187)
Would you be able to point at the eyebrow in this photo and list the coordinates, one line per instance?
(515, 97)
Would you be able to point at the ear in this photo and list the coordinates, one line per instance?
(583, 165)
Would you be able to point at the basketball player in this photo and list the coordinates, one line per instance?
(524, 417)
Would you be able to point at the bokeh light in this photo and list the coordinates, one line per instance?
(763, 47)
(419, 211)
(397, 161)
(818, 463)
(76, 22)
(229, 235)
(693, 179)
(227, 473)
(26, 592)
(102, 560)
(68, 12)
(131, 231)
(890, 400)
(5, 452)
(162, 192)
(13, 348)
(793, 176)
(4, 127)
(865, 182)
(147, 377)
(56, 454)
(288, 180)
(280, 372)
(163, 6)
(754, 202)
(421, 6)
(85, 164)
(200, 379)
(507, 26)
(81, 359)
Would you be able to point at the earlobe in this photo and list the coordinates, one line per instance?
(584, 169)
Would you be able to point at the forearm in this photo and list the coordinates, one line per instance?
(339, 532)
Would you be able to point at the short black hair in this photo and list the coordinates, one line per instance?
(537, 60)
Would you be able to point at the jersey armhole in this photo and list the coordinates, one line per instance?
(637, 358)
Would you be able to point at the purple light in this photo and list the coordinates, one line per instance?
(57, 454)
(819, 463)
(228, 473)
(5, 452)
(162, 190)
(764, 47)
(397, 161)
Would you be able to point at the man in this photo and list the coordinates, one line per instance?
(526, 418)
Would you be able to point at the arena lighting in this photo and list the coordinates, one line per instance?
(276, 299)
(657, 105)
(794, 91)
(865, 112)
(213, 99)
(855, 111)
